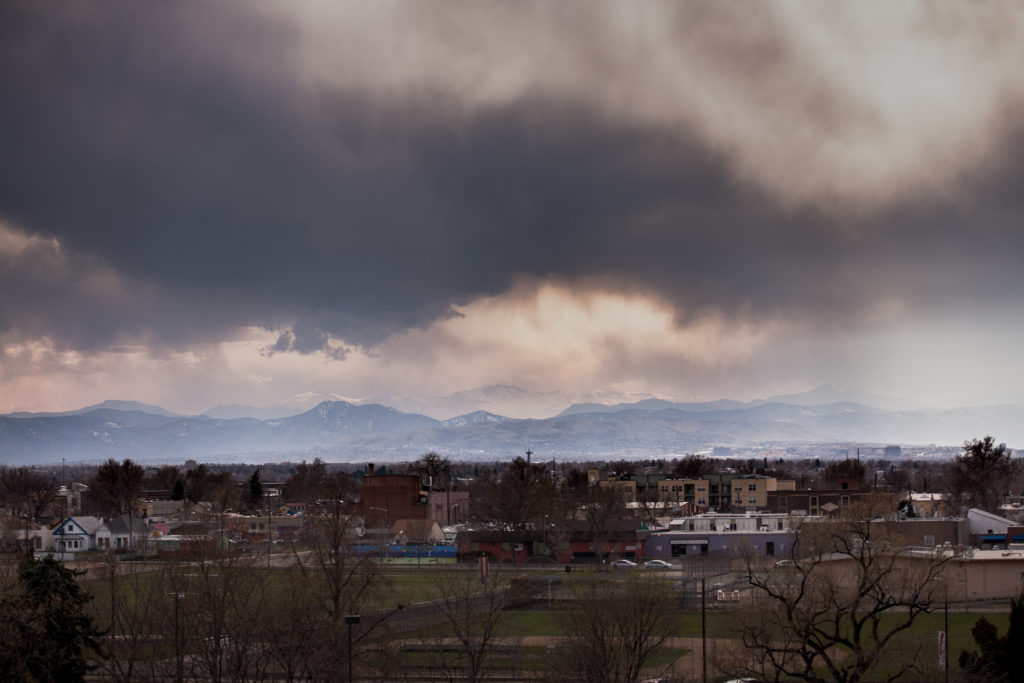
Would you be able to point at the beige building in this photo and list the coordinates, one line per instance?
(744, 493)
(967, 575)
(683, 490)
(624, 487)
(986, 575)
(751, 493)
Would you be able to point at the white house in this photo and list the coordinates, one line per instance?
(122, 533)
(76, 534)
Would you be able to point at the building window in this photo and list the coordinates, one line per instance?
(751, 487)
(752, 500)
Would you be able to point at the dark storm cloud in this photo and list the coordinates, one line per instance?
(181, 150)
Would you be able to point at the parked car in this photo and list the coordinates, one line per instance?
(618, 564)
(657, 564)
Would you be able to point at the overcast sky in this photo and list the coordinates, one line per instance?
(235, 202)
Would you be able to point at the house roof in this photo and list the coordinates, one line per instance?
(927, 497)
(978, 512)
(120, 526)
(88, 524)
(415, 528)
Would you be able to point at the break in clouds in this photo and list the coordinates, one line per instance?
(341, 179)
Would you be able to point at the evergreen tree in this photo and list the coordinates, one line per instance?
(47, 634)
(255, 491)
(997, 659)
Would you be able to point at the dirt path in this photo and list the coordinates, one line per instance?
(686, 667)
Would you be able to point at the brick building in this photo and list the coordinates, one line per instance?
(390, 497)
(813, 501)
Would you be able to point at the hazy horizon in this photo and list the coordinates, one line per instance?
(241, 202)
(521, 403)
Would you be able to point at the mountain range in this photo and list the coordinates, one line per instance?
(342, 430)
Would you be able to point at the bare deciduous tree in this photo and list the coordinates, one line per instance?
(470, 617)
(516, 500)
(430, 466)
(839, 601)
(130, 612)
(616, 622)
(339, 582)
(982, 474)
(115, 485)
(26, 492)
(223, 604)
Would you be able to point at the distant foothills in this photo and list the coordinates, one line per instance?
(825, 422)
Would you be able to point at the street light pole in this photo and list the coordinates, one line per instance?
(945, 615)
(177, 637)
(703, 630)
(350, 619)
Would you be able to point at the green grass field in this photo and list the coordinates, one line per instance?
(403, 585)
